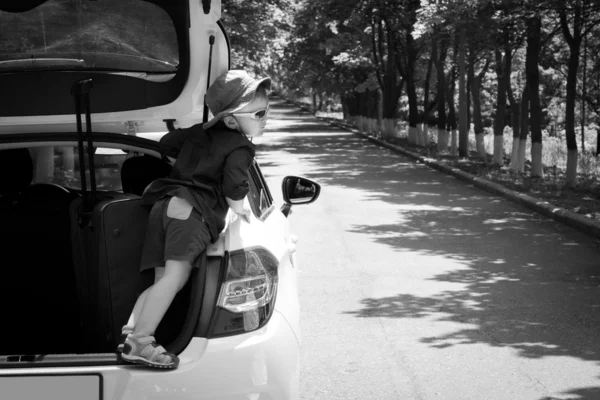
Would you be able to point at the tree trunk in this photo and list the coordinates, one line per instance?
(360, 123)
(452, 122)
(533, 85)
(441, 90)
(574, 42)
(413, 110)
(503, 75)
(425, 116)
(345, 109)
(477, 118)
(391, 90)
(369, 128)
(571, 175)
(463, 138)
(43, 161)
(515, 107)
(524, 128)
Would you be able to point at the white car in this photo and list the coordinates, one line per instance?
(88, 87)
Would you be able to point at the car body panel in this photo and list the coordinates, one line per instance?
(263, 364)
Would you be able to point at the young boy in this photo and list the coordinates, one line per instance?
(209, 176)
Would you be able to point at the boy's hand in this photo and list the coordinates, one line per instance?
(245, 214)
(240, 207)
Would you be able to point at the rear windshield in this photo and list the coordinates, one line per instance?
(122, 35)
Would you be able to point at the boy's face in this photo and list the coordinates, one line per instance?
(250, 123)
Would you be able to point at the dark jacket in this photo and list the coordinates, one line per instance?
(210, 165)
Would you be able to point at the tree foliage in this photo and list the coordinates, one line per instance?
(340, 47)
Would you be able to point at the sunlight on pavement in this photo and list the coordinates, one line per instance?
(425, 285)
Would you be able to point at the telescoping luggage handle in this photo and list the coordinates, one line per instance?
(81, 93)
(211, 43)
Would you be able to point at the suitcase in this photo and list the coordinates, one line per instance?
(108, 251)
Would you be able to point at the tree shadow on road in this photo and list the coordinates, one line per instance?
(529, 284)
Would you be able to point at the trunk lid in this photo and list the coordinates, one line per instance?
(148, 62)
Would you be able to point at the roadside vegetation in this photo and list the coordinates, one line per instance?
(506, 89)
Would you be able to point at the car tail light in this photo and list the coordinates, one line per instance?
(248, 292)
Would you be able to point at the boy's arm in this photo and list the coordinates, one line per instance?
(240, 207)
(235, 180)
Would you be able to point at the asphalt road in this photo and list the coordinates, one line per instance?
(414, 285)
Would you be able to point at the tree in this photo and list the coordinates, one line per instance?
(533, 92)
(576, 21)
(258, 31)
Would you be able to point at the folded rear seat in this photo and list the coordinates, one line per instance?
(39, 296)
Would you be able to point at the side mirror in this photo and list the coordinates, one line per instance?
(298, 190)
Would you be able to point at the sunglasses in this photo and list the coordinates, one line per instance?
(260, 114)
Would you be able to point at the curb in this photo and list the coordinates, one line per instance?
(560, 214)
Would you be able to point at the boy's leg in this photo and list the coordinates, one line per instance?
(161, 295)
(137, 309)
(185, 237)
(140, 346)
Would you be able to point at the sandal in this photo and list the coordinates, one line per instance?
(145, 351)
(126, 330)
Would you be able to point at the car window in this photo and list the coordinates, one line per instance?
(125, 35)
(60, 165)
(259, 195)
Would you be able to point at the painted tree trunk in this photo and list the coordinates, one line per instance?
(345, 109)
(463, 138)
(68, 160)
(441, 91)
(524, 128)
(502, 74)
(43, 158)
(380, 110)
(411, 90)
(391, 90)
(389, 128)
(571, 173)
(425, 116)
(516, 126)
(574, 42)
(454, 144)
(452, 122)
(533, 88)
(477, 119)
(521, 155)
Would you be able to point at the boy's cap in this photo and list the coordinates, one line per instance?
(231, 92)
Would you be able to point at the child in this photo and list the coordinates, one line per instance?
(209, 176)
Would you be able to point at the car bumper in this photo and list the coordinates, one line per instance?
(260, 365)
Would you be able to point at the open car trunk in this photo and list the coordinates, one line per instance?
(71, 280)
(70, 256)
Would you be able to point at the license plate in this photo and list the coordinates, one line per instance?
(51, 387)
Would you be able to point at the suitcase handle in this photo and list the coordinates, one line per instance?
(211, 42)
(81, 94)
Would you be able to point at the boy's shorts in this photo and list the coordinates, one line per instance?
(176, 231)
